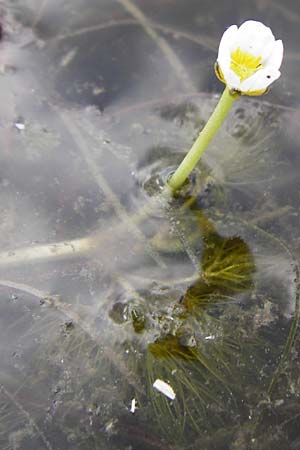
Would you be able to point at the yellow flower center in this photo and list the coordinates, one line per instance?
(244, 64)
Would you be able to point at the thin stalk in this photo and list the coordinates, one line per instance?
(214, 122)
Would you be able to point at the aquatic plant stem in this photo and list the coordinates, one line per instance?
(214, 122)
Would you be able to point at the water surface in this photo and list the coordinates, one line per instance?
(106, 286)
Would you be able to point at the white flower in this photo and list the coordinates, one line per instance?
(249, 58)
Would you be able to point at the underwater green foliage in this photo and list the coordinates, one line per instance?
(227, 269)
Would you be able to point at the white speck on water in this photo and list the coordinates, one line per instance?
(20, 126)
(68, 57)
(133, 406)
(164, 388)
(109, 426)
(210, 337)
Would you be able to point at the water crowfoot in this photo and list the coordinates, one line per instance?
(248, 62)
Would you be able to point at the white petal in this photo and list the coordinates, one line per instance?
(255, 44)
(253, 37)
(275, 57)
(253, 26)
(226, 41)
(164, 388)
(224, 58)
(224, 63)
(232, 80)
(266, 51)
(260, 80)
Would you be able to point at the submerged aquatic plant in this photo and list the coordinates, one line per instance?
(227, 267)
(248, 62)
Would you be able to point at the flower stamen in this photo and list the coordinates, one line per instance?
(244, 64)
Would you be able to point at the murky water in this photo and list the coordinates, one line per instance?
(107, 286)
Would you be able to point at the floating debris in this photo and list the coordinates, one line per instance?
(210, 337)
(133, 406)
(68, 57)
(20, 126)
(164, 388)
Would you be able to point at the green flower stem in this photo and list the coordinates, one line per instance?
(214, 122)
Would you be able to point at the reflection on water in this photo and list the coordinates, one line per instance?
(107, 286)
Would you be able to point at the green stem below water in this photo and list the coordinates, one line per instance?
(214, 122)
